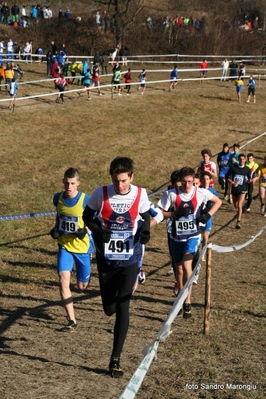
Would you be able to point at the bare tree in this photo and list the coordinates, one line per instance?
(123, 13)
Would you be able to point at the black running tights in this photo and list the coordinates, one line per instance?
(116, 291)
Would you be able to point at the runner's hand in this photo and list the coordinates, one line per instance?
(105, 235)
(55, 233)
(81, 233)
(144, 237)
(204, 218)
(181, 212)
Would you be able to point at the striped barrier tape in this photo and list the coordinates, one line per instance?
(136, 381)
(232, 248)
(27, 215)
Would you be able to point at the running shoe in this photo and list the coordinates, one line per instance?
(187, 311)
(171, 271)
(262, 209)
(195, 282)
(238, 225)
(115, 368)
(141, 277)
(226, 197)
(175, 289)
(72, 326)
(248, 209)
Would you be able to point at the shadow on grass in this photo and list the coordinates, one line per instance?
(218, 98)
(44, 360)
(28, 264)
(23, 239)
(37, 312)
(19, 280)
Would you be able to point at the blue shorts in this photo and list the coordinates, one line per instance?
(239, 89)
(143, 85)
(95, 83)
(208, 225)
(66, 260)
(179, 248)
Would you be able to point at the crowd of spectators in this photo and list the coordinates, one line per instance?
(105, 23)
(25, 16)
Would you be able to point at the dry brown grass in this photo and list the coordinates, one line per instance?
(161, 131)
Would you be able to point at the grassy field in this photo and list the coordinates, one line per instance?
(161, 131)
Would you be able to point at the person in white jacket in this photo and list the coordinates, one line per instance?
(225, 66)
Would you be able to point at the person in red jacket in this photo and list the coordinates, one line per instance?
(55, 71)
(61, 83)
(128, 79)
(203, 69)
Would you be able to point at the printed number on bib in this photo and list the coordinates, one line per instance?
(68, 224)
(120, 246)
(186, 225)
(239, 179)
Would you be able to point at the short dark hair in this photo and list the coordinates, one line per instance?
(175, 176)
(225, 145)
(236, 145)
(70, 173)
(205, 174)
(121, 165)
(250, 155)
(186, 171)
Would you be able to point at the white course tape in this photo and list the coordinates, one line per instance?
(255, 138)
(233, 248)
(157, 192)
(136, 381)
(150, 351)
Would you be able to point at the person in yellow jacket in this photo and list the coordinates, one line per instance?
(72, 69)
(9, 76)
(79, 70)
(239, 83)
(74, 241)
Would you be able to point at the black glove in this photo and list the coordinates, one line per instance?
(181, 212)
(208, 207)
(55, 233)
(103, 235)
(81, 233)
(144, 237)
(204, 218)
